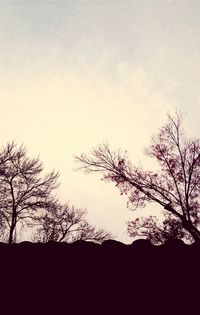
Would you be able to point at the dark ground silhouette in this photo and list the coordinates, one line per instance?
(87, 277)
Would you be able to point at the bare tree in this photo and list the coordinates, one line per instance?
(66, 223)
(23, 191)
(175, 186)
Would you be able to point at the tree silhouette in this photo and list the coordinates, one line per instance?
(66, 223)
(158, 233)
(175, 186)
(23, 190)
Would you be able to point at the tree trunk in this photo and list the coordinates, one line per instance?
(12, 229)
(10, 240)
(187, 225)
(191, 229)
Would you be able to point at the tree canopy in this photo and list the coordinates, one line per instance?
(66, 223)
(175, 186)
(23, 189)
(27, 200)
(157, 231)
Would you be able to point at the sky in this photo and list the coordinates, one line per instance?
(74, 74)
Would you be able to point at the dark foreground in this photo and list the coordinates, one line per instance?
(112, 278)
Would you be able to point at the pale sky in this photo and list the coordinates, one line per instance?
(74, 74)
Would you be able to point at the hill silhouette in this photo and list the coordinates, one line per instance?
(110, 275)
